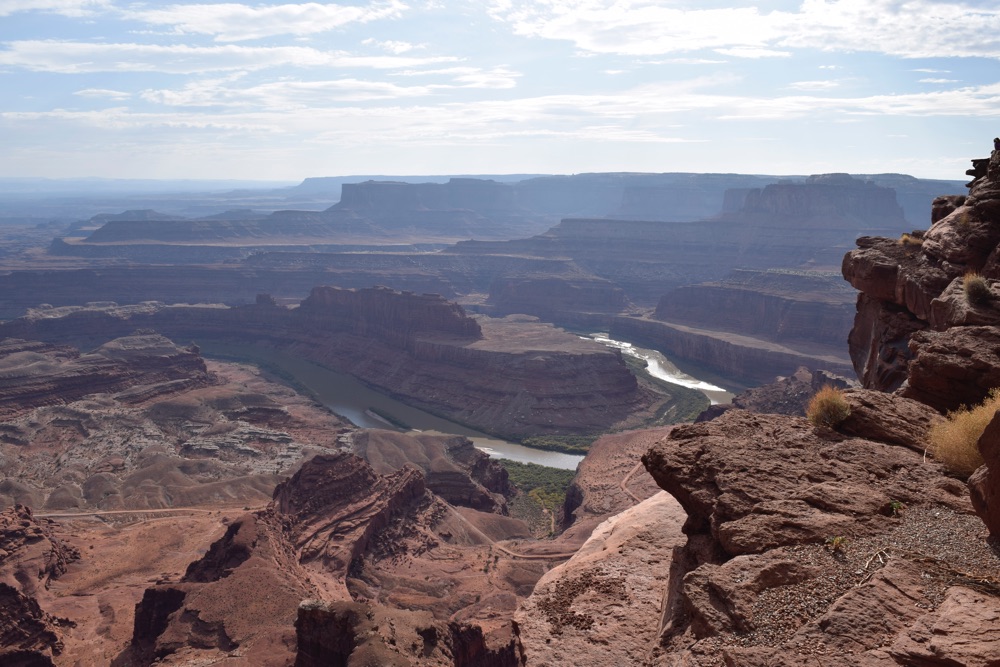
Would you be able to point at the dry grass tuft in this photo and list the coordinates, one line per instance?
(828, 407)
(910, 241)
(977, 290)
(953, 441)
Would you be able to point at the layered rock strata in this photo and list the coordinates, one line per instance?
(508, 376)
(298, 566)
(453, 468)
(158, 427)
(808, 308)
(788, 225)
(35, 374)
(739, 358)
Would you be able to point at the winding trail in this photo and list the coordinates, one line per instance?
(513, 554)
(625, 480)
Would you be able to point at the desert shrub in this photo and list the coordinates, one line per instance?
(828, 407)
(546, 486)
(953, 440)
(910, 241)
(977, 290)
(567, 444)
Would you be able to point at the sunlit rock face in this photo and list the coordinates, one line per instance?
(915, 323)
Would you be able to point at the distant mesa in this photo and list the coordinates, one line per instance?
(626, 244)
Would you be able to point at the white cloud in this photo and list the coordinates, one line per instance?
(74, 8)
(683, 61)
(941, 81)
(495, 78)
(104, 93)
(752, 52)
(232, 22)
(224, 92)
(391, 46)
(523, 132)
(813, 85)
(80, 57)
(635, 27)
(282, 95)
(647, 110)
(905, 28)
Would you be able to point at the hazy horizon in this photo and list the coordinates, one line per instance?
(288, 91)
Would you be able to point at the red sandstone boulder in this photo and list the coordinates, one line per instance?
(893, 420)
(984, 484)
(964, 630)
(757, 482)
(955, 367)
(806, 547)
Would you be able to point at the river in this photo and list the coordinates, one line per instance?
(660, 367)
(362, 406)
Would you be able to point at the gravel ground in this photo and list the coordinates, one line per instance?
(952, 548)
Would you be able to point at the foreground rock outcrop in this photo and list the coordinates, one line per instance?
(806, 542)
(916, 331)
(600, 609)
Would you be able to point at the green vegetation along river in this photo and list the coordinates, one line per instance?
(367, 408)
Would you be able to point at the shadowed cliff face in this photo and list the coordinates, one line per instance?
(390, 316)
(30, 559)
(914, 321)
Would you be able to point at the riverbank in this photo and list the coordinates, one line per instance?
(365, 407)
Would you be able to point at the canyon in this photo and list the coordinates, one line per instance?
(165, 508)
(587, 273)
(512, 377)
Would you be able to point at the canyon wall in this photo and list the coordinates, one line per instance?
(782, 306)
(918, 330)
(786, 225)
(511, 377)
(740, 359)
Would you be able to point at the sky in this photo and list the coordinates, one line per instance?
(285, 91)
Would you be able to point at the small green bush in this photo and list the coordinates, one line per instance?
(977, 290)
(828, 407)
(953, 441)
